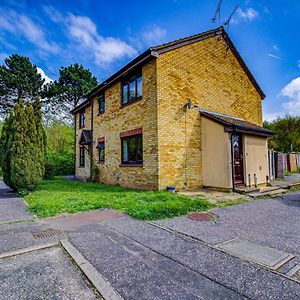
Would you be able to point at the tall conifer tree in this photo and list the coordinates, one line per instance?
(23, 147)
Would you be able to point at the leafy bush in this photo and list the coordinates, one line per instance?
(49, 171)
(60, 163)
(60, 150)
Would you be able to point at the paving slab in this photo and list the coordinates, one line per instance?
(41, 274)
(269, 257)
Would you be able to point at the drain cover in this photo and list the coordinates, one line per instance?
(46, 233)
(200, 216)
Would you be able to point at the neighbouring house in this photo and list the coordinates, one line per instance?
(185, 114)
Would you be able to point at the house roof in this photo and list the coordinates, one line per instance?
(154, 52)
(86, 137)
(234, 124)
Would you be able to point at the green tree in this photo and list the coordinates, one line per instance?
(65, 93)
(287, 137)
(18, 79)
(22, 157)
(5, 147)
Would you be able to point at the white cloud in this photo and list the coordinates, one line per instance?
(153, 34)
(105, 49)
(44, 76)
(19, 24)
(272, 116)
(248, 14)
(54, 15)
(292, 91)
(274, 56)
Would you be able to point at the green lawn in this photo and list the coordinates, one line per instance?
(59, 196)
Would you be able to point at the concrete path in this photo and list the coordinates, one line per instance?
(12, 208)
(171, 259)
(294, 178)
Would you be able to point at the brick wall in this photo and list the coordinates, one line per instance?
(117, 119)
(207, 73)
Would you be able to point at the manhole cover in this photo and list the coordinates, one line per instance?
(200, 216)
(46, 233)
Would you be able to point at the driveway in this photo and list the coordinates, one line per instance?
(119, 257)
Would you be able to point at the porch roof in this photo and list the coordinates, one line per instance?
(235, 124)
(86, 137)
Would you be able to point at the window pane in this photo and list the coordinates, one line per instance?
(101, 149)
(82, 119)
(139, 83)
(125, 150)
(101, 154)
(101, 104)
(132, 90)
(140, 148)
(81, 156)
(132, 149)
(125, 94)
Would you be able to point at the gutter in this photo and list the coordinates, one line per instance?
(232, 164)
(92, 145)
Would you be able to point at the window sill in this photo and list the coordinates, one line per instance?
(101, 113)
(131, 165)
(81, 167)
(101, 162)
(131, 102)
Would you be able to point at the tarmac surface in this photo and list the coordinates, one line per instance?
(170, 259)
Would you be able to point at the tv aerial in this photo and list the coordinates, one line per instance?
(227, 22)
(217, 14)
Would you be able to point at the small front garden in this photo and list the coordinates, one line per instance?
(58, 196)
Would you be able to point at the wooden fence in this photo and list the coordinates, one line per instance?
(282, 162)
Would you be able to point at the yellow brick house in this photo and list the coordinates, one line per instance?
(185, 114)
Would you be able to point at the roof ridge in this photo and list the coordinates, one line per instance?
(157, 47)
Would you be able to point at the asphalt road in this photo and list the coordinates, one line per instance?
(170, 259)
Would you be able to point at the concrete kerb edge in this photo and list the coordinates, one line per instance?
(28, 249)
(103, 287)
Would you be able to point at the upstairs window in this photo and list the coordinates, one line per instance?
(81, 157)
(132, 149)
(101, 151)
(82, 119)
(132, 89)
(101, 101)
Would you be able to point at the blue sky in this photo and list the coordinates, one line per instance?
(103, 35)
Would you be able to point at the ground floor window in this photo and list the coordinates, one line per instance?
(132, 149)
(81, 157)
(101, 151)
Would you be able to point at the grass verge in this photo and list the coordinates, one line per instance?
(58, 196)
